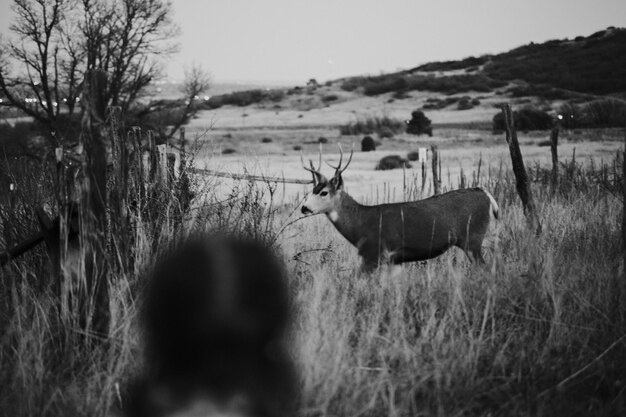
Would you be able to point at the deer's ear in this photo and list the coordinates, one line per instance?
(337, 182)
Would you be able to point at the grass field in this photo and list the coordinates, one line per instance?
(538, 331)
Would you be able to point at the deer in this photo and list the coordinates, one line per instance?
(410, 231)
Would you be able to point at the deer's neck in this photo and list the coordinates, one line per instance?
(347, 217)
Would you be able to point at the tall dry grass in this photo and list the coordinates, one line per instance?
(540, 330)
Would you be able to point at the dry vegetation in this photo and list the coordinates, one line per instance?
(538, 331)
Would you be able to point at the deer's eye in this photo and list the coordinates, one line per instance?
(324, 193)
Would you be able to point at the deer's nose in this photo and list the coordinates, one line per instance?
(306, 210)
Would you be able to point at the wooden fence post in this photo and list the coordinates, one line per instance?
(424, 175)
(95, 305)
(436, 170)
(161, 151)
(523, 188)
(554, 141)
(119, 234)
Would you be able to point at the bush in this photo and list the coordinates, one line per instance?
(437, 103)
(571, 116)
(330, 97)
(382, 126)
(464, 104)
(266, 140)
(16, 140)
(413, 156)
(402, 83)
(392, 162)
(228, 151)
(607, 112)
(401, 95)
(419, 124)
(385, 132)
(245, 98)
(322, 140)
(541, 91)
(467, 63)
(525, 119)
(367, 144)
(297, 148)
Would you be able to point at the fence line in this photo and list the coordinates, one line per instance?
(249, 177)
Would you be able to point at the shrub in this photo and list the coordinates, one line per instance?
(370, 125)
(542, 91)
(228, 151)
(453, 84)
(244, 98)
(401, 95)
(330, 97)
(367, 144)
(384, 84)
(266, 140)
(467, 63)
(571, 116)
(419, 124)
(606, 112)
(525, 119)
(16, 140)
(464, 104)
(385, 132)
(543, 143)
(437, 103)
(392, 162)
(401, 83)
(322, 139)
(413, 156)
(297, 148)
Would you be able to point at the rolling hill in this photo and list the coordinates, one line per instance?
(595, 64)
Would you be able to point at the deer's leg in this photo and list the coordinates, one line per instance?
(477, 256)
(370, 256)
(474, 252)
(369, 265)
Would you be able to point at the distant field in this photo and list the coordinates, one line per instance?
(460, 149)
(300, 114)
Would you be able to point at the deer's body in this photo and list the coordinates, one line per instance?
(409, 231)
(418, 230)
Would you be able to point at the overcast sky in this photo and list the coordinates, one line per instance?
(294, 40)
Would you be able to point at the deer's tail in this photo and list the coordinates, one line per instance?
(493, 206)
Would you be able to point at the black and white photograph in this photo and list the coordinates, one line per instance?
(331, 208)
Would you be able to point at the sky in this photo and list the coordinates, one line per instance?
(291, 41)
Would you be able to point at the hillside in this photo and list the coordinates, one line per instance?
(595, 64)
(554, 76)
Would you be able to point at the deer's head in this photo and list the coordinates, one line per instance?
(326, 194)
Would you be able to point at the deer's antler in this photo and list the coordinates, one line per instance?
(317, 175)
(338, 169)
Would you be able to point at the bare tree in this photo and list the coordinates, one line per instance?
(196, 82)
(125, 39)
(37, 51)
(56, 41)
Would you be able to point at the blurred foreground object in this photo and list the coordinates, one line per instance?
(216, 311)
